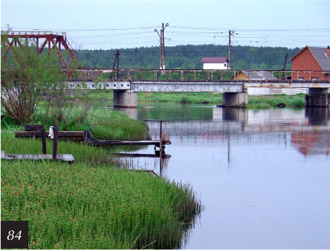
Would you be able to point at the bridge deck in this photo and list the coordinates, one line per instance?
(192, 86)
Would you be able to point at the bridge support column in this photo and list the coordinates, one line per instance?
(317, 97)
(124, 99)
(235, 99)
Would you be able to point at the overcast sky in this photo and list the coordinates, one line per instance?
(127, 23)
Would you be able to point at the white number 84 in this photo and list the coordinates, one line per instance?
(11, 235)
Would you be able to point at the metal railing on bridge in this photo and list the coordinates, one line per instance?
(184, 75)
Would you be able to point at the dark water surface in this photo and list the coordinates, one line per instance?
(262, 176)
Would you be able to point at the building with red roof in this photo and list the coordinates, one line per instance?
(215, 62)
(312, 63)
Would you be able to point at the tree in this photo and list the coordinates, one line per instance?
(25, 77)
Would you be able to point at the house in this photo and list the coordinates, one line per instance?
(311, 59)
(257, 75)
(215, 62)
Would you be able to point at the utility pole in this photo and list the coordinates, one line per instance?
(231, 32)
(115, 66)
(161, 35)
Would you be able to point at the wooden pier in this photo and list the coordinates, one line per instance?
(35, 131)
(86, 137)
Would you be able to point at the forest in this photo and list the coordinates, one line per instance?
(189, 57)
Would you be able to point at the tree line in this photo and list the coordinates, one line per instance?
(189, 57)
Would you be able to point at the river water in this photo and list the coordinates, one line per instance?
(263, 176)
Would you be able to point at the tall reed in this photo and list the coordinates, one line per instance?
(80, 206)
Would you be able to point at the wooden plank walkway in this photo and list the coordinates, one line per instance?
(37, 157)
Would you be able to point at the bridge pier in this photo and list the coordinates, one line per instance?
(239, 99)
(317, 97)
(124, 99)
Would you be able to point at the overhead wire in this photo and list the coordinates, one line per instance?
(144, 35)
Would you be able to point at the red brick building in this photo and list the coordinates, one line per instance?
(311, 59)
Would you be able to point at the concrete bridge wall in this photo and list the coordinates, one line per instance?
(234, 91)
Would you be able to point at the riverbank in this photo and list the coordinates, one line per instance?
(255, 102)
(93, 203)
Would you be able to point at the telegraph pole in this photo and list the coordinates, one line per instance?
(161, 35)
(116, 64)
(231, 33)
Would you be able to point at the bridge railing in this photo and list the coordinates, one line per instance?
(183, 75)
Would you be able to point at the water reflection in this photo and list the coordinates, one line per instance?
(263, 175)
(318, 116)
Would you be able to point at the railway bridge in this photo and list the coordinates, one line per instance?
(126, 83)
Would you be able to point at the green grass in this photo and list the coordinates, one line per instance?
(83, 206)
(200, 98)
(91, 95)
(91, 203)
(265, 102)
(82, 153)
(105, 123)
(255, 102)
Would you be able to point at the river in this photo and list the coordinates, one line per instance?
(263, 176)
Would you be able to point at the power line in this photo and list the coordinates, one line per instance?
(85, 30)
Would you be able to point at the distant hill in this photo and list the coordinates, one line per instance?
(189, 57)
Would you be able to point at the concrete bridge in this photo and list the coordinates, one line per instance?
(126, 83)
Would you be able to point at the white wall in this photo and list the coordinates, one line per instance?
(214, 66)
(276, 91)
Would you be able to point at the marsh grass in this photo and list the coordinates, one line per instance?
(91, 203)
(105, 123)
(116, 125)
(80, 206)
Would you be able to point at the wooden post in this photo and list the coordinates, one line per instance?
(161, 149)
(55, 143)
(43, 140)
(161, 130)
